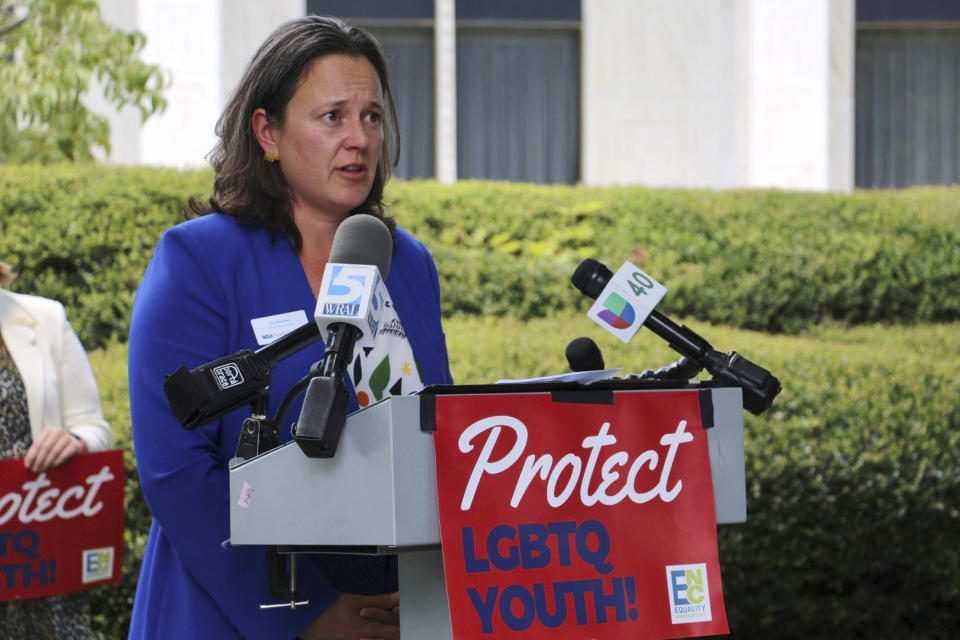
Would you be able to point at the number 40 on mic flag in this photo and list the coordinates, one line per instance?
(626, 301)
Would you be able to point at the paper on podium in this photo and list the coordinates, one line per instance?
(583, 377)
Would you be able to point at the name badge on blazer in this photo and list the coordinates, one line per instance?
(23, 321)
(270, 328)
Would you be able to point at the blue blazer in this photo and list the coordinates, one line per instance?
(208, 279)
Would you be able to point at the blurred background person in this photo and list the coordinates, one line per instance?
(49, 412)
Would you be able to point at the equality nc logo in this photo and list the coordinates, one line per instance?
(617, 312)
(689, 593)
(97, 564)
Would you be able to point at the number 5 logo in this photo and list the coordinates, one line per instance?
(377, 299)
(346, 284)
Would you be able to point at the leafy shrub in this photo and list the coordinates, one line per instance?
(83, 235)
(766, 260)
(112, 605)
(853, 494)
(853, 476)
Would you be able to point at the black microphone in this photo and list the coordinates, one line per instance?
(583, 354)
(201, 395)
(361, 239)
(759, 386)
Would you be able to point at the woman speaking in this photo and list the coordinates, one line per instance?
(307, 140)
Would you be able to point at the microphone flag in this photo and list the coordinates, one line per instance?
(383, 363)
(388, 368)
(626, 301)
(351, 294)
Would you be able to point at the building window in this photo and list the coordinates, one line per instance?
(518, 84)
(518, 104)
(907, 93)
(907, 106)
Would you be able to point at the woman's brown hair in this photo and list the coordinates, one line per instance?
(248, 187)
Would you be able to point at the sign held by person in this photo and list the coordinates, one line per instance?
(61, 530)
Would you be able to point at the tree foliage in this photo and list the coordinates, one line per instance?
(52, 52)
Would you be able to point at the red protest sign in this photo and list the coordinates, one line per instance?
(61, 531)
(578, 520)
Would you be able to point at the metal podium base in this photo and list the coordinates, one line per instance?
(424, 610)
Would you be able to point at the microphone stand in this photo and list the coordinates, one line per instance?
(260, 434)
(317, 432)
(681, 370)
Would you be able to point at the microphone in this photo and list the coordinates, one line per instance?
(351, 294)
(349, 306)
(583, 354)
(759, 386)
(203, 394)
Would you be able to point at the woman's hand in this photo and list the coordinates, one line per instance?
(52, 448)
(355, 617)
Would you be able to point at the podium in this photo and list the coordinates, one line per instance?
(378, 494)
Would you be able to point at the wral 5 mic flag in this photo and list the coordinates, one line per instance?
(578, 520)
(352, 294)
(61, 531)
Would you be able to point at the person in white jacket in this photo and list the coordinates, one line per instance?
(49, 412)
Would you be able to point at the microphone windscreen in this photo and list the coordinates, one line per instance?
(363, 239)
(590, 277)
(583, 354)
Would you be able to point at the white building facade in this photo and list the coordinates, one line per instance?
(689, 93)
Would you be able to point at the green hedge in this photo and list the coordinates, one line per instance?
(853, 477)
(766, 260)
(84, 234)
(112, 605)
(853, 494)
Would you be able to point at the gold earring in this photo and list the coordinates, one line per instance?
(270, 156)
